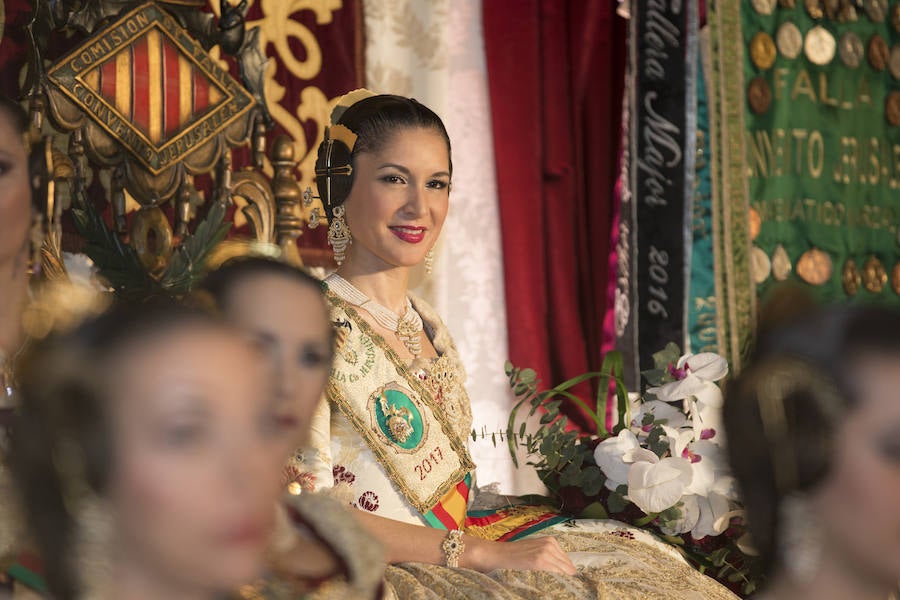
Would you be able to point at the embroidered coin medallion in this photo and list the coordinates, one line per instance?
(762, 50)
(850, 49)
(397, 417)
(850, 277)
(760, 265)
(815, 267)
(789, 40)
(759, 95)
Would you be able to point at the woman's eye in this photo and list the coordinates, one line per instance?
(890, 450)
(180, 436)
(438, 184)
(313, 358)
(4, 167)
(393, 179)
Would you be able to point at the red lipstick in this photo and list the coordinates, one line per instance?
(246, 533)
(409, 234)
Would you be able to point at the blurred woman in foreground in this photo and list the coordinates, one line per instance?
(18, 219)
(814, 438)
(283, 310)
(144, 456)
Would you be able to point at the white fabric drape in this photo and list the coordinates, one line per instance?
(433, 50)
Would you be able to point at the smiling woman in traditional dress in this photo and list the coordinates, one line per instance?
(391, 438)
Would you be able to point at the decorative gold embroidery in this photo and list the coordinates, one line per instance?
(447, 467)
(399, 419)
(623, 569)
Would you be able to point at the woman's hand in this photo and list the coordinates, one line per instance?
(405, 542)
(538, 554)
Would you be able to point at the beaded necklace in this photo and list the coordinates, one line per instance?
(406, 327)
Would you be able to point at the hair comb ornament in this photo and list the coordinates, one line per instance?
(348, 100)
(342, 133)
(335, 156)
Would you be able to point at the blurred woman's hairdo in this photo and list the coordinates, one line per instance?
(216, 289)
(220, 283)
(14, 112)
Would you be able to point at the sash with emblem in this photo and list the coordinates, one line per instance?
(395, 414)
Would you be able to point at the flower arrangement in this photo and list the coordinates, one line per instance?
(661, 467)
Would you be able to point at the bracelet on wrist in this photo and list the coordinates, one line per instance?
(453, 547)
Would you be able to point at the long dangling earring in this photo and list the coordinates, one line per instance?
(92, 523)
(429, 261)
(91, 548)
(339, 235)
(800, 540)
(36, 239)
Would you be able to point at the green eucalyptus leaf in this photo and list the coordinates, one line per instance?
(717, 557)
(616, 502)
(592, 480)
(528, 376)
(594, 510)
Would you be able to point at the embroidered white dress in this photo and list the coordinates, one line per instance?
(384, 466)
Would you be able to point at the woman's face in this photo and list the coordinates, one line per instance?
(399, 200)
(288, 317)
(858, 501)
(196, 476)
(15, 193)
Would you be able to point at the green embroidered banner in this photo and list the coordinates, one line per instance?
(735, 299)
(822, 114)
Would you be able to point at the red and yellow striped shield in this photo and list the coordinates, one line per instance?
(151, 86)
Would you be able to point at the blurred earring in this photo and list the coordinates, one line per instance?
(92, 523)
(429, 261)
(10, 516)
(91, 548)
(339, 235)
(800, 538)
(36, 240)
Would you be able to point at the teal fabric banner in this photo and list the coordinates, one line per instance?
(702, 297)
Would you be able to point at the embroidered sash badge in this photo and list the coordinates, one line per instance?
(397, 418)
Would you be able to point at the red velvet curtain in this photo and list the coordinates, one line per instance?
(556, 72)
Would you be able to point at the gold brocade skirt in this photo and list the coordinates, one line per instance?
(611, 565)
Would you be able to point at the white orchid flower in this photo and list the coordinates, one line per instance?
(636, 455)
(609, 457)
(726, 485)
(707, 462)
(706, 412)
(691, 374)
(678, 440)
(656, 484)
(661, 411)
(715, 515)
(690, 515)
